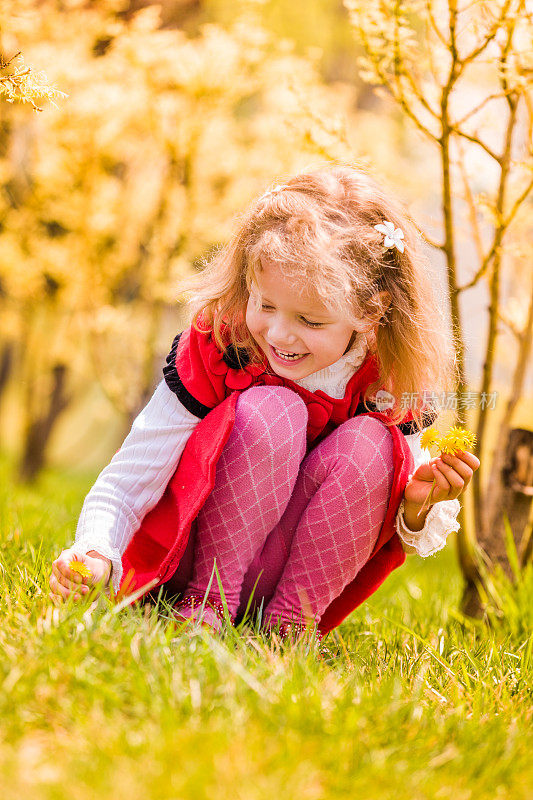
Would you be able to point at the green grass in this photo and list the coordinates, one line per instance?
(411, 701)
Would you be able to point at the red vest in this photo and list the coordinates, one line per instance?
(208, 383)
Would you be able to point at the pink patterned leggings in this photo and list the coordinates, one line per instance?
(301, 526)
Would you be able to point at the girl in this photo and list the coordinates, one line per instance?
(279, 445)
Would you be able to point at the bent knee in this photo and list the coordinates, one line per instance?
(274, 408)
(362, 437)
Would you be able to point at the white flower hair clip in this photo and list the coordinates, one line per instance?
(393, 236)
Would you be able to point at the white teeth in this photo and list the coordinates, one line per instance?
(287, 356)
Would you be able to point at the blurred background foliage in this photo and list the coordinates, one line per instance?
(176, 115)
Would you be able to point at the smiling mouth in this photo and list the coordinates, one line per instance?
(287, 356)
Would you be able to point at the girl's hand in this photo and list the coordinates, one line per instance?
(451, 474)
(65, 583)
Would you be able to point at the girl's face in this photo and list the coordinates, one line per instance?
(291, 325)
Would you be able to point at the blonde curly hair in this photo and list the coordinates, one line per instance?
(319, 227)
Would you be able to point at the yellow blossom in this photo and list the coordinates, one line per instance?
(456, 439)
(429, 438)
(80, 567)
(464, 438)
(447, 444)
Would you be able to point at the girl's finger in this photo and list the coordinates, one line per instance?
(61, 590)
(65, 581)
(61, 567)
(451, 482)
(467, 458)
(442, 484)
(77, 585)
(459, 466)
(56, 600)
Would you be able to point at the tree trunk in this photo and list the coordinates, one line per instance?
(6, 365)
(526, 545)
(500, 457)
(467, 548)
(39, 430)
(480, 520)
(514, 498)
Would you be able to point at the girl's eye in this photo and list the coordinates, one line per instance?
(304, 320)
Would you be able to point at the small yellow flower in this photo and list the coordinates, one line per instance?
(429, 438)
(457, 439)
(447, 444)
(81, 568)
(464, 438)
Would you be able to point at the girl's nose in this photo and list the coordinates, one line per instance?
(280, 333)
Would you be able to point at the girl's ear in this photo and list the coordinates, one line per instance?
(380, 303)
(384, 300)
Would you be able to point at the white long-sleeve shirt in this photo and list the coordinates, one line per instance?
(135, 479)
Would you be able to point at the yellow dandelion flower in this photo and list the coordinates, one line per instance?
(464, 438)
(429, 438)
(447, 444)
(456, 439)
(81, 568)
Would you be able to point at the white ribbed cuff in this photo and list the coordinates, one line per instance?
(441, 520)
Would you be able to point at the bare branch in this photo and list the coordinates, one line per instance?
(388, 84)
(479, 274)
(474, 222)
(452, 27)
(418, 93)
(503, 222)
(436, 29)
(433, 242)
(454, 74)
(518, 334)
(400, 99)
(501, 229)
(528, 99)
(4, 64)
(518, 202)
(505, 54)
(490, 36)
(478, 141)
(476, 109)
(400, 71)
(431, 61)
